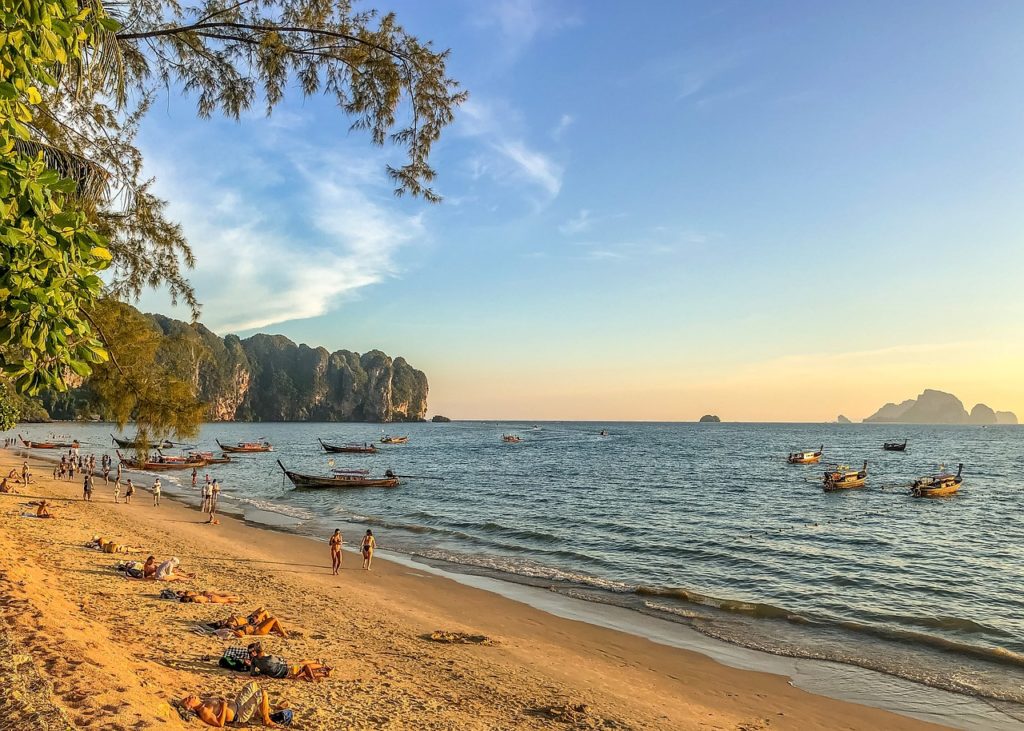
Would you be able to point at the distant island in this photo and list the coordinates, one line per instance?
(709, 419)
(843, 420)
(438, 419)
(938, 407)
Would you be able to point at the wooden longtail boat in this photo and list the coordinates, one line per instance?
(210, 459)
(163, 463)
(938, 485)
(394, 440)
(134, 443)
(510, 438)
(245, 447)
(895, 446)
(348, 448)
(805, 457)
(841, 477)
(47, 445)
(344, 479)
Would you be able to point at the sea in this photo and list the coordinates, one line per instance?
(700, 525)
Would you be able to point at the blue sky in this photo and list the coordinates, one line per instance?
(769, 210)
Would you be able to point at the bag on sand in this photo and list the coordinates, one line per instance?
(282, 717)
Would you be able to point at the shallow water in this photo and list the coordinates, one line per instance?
(703, 524)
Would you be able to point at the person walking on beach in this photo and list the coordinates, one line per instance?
(129, 490)
(87, 487)
(117, 491)
(335, 542)
(25, 474)
(214, 496)
(367, 547)
(195, 476)
(156, 492)
(206, 498)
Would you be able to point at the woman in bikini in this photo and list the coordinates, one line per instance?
(335, 551)
(369, 543)
(258, 623)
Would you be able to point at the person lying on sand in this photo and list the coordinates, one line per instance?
(260, 622)
(276, 667)
(206, 597)
(250, 703)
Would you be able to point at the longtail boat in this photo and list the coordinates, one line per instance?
(162, 463)
(263, 446)
(210, 459)
(348, 448)
(841, 477)
(338, 479)
(135, 443)
(47, 445)
(805, 457)
(938, 485)
(394, 440)
(512, 438)
(895, 446)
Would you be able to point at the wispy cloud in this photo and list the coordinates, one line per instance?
(564, 123)
(510, 158)
(263, 260)
(519, 22)
(577, 224)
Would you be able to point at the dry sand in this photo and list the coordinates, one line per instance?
(83, 647)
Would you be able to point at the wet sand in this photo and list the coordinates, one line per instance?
(85, 646)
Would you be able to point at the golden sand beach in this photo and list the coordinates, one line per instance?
(84, 647)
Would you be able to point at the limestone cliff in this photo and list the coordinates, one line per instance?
(938, 407)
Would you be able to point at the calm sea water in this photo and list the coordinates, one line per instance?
(703, 524)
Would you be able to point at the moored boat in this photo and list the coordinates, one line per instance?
(263, 446)
(941, 484)
(162, 462)
(348, 448)
(210, 459)
(895, 446)
(388, 439)
(135, 442)
(841, 477)
(510, 438)
(344, 479)
(805, 457)
(48, 445)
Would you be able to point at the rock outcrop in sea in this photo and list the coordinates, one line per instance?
(709, 419)
(842, 420)
(938, 407)
(438, 419)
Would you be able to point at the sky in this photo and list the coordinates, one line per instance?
(775, 211)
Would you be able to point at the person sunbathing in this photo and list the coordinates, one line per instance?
(165, 571)
(260, 622)
(251, 701)
(41, 511)
(276, 667)
(5, 487)
(208, 597)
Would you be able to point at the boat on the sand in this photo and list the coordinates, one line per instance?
(841, 477)
(805, 457)
(344, 479)
(941, 484)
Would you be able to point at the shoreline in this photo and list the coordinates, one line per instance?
(543, 669)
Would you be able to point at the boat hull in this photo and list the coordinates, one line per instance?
(944, 490)
(845, 484)
(240, 450)
(342, 449)
(318, 482)
(805, 459)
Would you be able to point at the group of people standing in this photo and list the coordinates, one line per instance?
(211, 494)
